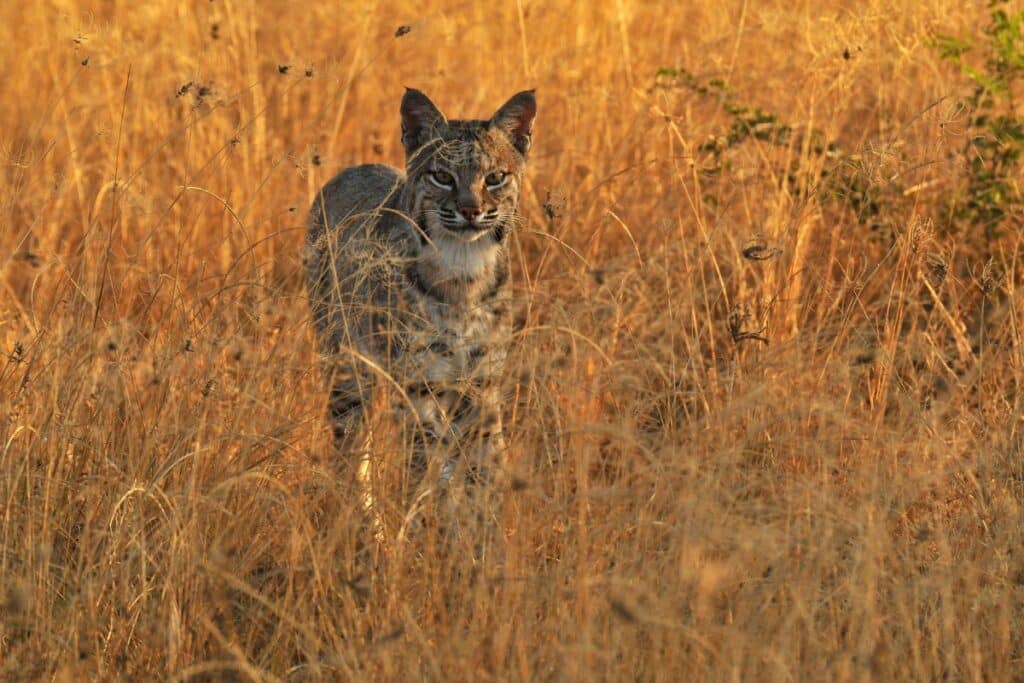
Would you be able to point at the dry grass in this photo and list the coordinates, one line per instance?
(844, 502)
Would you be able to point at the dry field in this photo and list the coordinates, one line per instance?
(764, 408)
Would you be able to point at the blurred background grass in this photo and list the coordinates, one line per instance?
(764, 406)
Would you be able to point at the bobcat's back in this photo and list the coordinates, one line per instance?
(356, 191)
(355, 230)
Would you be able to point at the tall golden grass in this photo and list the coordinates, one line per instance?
(755, 433)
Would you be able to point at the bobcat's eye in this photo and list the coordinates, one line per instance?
(496, 179)
(442, 179)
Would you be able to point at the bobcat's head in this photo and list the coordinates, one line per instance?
(465, 175)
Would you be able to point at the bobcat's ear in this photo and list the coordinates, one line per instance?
(420, 120)
(516, 118)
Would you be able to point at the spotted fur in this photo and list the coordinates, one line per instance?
(408, 277)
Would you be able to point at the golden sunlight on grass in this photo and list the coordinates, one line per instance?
(764, 407)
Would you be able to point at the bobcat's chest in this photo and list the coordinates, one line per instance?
(452, 343)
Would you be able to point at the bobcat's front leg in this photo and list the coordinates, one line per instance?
(486, 440)
(354, 437)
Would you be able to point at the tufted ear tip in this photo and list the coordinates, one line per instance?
(524, 102)
(415, 99)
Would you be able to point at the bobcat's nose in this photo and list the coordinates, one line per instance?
(470, 212)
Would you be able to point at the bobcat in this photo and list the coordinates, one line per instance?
(408, 280)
